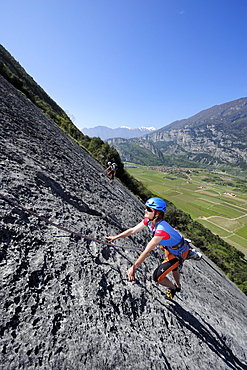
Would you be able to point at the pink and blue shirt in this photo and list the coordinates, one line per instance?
(170, 237)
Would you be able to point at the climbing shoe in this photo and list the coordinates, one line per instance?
(170, 293)
(194, 255)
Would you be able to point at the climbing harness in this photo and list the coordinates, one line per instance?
(64, 228)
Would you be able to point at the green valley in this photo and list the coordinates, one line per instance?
(215, 199)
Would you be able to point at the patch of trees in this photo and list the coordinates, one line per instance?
(139, 155)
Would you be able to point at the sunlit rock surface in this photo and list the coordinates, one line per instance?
(65, 301)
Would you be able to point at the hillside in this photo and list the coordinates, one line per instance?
(11, 69)
(215, 136)
(65, 300)
(232, 115)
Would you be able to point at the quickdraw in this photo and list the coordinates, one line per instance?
(64, 228)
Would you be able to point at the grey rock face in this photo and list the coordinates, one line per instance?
(207, 139)
(214, 142)
(66, 302)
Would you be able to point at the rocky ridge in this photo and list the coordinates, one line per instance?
(218, 134)
(210, 139)
(66, 302)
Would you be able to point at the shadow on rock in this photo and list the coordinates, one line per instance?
(208, 335)
(72, 200)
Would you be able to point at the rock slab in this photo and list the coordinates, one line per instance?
(65, 301)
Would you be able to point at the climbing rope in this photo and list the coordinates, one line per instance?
(64, 228)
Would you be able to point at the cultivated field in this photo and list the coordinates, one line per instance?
(218, 205)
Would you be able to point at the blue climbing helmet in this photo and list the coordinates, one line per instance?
(156, 203)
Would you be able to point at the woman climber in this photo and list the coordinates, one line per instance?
(164, 237)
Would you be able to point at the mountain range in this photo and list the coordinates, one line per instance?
(65, 301)
(216, 136)
(105, 132)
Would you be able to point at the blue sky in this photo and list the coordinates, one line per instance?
(130, 62)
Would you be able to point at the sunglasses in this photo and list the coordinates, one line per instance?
(149, 209)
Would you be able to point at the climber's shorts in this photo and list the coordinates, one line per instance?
(170, 263)
(111, 174)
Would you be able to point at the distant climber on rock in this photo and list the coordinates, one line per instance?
(111, 171)
(164, 237)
